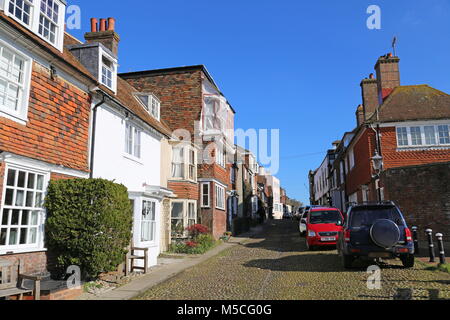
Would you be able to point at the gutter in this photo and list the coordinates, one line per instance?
(94, 126)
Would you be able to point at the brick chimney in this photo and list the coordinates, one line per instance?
(388, 75)
(369, 87)
(360, 118)
(104, 33)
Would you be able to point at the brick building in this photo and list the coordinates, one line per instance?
(195, 109)
(44, 125)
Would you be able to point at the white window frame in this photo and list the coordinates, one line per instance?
(186, 163)
(135, 132)
(35, 21)
(152, 101)
(21, 114)
(185, 218)
(105, 55)
(424, 143)
(202, 193)
(151, 222)
(221, 157)
(39, 244)
(219, 197)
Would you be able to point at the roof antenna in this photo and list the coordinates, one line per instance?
(394, 44)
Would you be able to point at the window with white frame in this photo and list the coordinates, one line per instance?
(14, 81)
(184, 162)
(108, 72)
(22, 209)
(148, 221)
(45, 18)
(183, 215)
(192, 214)
(220, 157)
(220, 197)
(132, 140)
(426, 135)
(151, 104)
(205, 195)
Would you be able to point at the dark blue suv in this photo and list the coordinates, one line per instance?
(375, 231)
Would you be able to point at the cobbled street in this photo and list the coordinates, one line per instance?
(275, 265)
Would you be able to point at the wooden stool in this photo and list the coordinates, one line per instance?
(131, 257)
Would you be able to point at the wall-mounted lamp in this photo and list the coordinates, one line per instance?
(53, 73)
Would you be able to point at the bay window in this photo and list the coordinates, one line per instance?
(184, 162)
(21, 214)
(426, 136)
(183, 215)
(148, 221)
(205, 195)
(220, 197)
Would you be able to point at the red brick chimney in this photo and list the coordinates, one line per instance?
(388, 75)
(360, 118)
(369, 87)
(104, 34)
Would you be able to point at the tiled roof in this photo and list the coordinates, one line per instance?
(124, 89)
(412, 103)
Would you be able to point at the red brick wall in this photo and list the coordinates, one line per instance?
(180, 94)
(393, 158)
(423, 194)
(35, 262)
(57, 129)
(185, 190)
(361, 174)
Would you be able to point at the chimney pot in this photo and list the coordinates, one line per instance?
(94, 25)
(111, 24)
(371, 76)
(102, 25)
(389, 55)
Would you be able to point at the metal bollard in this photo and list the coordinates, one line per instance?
(440, 238)
(429, 233)
(416, 239)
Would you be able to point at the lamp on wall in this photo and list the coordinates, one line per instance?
(377, 162)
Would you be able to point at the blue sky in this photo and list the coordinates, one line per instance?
(290, 65)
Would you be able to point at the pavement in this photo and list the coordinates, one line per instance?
(274, 264)
(167, 268)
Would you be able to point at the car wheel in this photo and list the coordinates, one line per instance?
(347, 261)
(408, 261)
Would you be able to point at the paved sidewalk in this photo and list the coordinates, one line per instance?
(167, 269)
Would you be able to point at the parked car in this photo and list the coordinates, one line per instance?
(287, 215)
(376, 231)
(299, 213)
(323, 226)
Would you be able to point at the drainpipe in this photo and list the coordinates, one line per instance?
(94, 126)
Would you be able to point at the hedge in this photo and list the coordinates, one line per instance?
(89, 224)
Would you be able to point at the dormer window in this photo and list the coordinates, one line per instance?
(107, 69)
(151, 104)
(107, 72)
(44, 17)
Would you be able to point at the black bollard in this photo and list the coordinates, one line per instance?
(440, 238)
(431, 244)
(416, 240)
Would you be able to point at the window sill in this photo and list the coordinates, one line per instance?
(221, 209)
(7, 252)
(132, 158)
(423, 148)
(14, 117)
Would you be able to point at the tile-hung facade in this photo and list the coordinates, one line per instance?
(44, 123)
(196, 110)
(132, 120)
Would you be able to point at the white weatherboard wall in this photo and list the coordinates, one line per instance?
(276, 190)
(112, 163)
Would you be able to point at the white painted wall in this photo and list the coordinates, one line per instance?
(277, 206)
(112, 163)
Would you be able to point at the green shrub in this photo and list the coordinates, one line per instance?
(89, 224)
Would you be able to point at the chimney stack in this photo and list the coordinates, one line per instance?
(388, 75)
(104, 34)
(369, 87)
(360, 117)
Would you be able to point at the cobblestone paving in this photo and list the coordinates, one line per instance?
(276, 266)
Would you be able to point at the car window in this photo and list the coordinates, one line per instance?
(325, 217)
(366, 216)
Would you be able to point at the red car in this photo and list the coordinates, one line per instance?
(322, 227)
